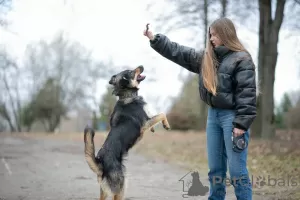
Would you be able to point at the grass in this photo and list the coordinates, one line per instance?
(277, 158)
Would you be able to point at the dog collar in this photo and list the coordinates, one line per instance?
(130, 99)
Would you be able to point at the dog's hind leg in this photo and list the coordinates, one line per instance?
(119, 196)
(154, 120)
(103, 195)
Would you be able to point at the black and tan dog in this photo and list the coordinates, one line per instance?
(128, 122)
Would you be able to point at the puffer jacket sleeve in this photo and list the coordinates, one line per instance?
(245, 94)
(184, 56)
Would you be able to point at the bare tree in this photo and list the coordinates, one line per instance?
(292, 117)
(224, 4)
(10, 105)
(73, 71)
(3, 125)
(269, 28)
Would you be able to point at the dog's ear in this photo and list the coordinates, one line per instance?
(112, 80)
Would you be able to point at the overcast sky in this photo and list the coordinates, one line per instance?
(113, 29)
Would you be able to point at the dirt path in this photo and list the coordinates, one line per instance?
(39, 169)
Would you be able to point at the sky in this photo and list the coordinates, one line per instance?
(114, 30)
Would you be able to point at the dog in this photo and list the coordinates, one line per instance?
(128, 123)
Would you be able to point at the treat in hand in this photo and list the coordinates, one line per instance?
(148, 33)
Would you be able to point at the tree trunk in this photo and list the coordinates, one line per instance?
(268, 41)
(53, 123)
(224, 4)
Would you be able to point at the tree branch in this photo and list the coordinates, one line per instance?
(279, 14)
(265, 18)
(11, 100)
(224, 4)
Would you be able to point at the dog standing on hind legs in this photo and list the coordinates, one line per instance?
(128, 123)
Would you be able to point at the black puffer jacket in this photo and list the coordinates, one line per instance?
(236, 77)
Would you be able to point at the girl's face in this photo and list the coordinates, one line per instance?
(214, 38)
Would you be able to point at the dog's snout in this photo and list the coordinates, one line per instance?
(139, 69)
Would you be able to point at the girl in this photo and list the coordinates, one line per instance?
(227, 84)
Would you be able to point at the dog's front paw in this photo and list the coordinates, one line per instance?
(166, 126)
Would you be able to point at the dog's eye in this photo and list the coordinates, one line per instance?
(125, 78)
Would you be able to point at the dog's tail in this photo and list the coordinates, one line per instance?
(89, 151)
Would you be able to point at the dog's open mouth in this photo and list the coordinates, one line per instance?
(140, 77)
(140, 70)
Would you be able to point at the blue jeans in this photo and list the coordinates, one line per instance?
(220, 155)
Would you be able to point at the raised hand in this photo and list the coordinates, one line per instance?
(148, 33)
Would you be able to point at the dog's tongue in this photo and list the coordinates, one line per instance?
(140, 77)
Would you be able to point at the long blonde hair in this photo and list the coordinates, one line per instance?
(226, 31)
